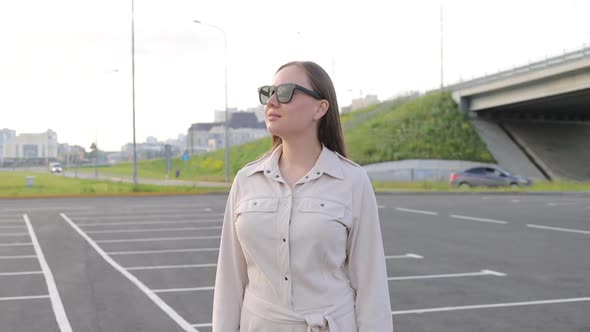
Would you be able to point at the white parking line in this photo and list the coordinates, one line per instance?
(58, 307)
(10, 221)
(432, 276)
(560, 204)
(33, 297)
(155, 298)
(479, 219)
(5, 227)
(493, 305)
(150, 222)
(203, 325)
(18, 257)
(25, 208)
(417, 211)
(152, 216)
(23, 273)
(140, 252)
(450, 275)
(153, 230)
(571, 230)
(173, 290)
(404, 256)
(160, 239)
(16, 244)
(163, 267)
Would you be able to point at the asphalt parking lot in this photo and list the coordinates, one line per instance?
(455, 262)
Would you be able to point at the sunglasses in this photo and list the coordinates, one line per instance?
(284, 92)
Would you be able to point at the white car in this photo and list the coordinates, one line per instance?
(55, 168)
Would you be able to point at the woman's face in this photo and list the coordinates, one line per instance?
(301, 115)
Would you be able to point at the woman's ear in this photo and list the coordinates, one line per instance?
(321, 109)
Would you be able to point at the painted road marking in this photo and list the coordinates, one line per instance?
(192, 289)
(571, 230)
(478, 219)
(404, 256)
(23, 273)
(58, 307)
(451, 275)
(160, 239)
(16, 244)
(18, 226)
(48, 208)
(433, 276)
(155, 298)
(10, 221)
(151, 216)
(140, 252)
(417, 211)
(149, 222)
(162, 267)
(32, 297)
(153, 230)
(493, 305)
(18, 257)
(203, 325)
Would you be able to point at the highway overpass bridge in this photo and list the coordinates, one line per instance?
(535, 119)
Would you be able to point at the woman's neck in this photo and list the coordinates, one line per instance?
(301, 154)
(298, 158)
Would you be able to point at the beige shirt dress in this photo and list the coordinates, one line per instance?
(306, 258)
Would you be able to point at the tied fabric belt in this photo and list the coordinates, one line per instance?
(315, 321)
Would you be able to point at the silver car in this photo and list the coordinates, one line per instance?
(488, 177)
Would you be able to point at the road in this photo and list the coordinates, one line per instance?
(455, 262)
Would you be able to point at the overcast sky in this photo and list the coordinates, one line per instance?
(66, 64)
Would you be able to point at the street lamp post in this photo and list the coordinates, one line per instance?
(133, 91)
(226, 125)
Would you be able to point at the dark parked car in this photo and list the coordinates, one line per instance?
(488, 177)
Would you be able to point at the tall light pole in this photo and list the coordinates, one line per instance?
(226, 125)
(133, 91)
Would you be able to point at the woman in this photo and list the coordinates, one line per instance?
(301, 247)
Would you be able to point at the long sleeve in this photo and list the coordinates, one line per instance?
(366, 262)
(231, 277)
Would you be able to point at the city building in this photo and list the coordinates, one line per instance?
(28, 148)
(366, 101)
(243, 127)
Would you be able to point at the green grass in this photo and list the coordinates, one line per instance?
(14, 184)
(203, 167)
(430, 127)
(427, 127)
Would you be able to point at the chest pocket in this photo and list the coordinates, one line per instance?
(329, 208)
(258, 205)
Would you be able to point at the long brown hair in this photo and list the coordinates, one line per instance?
(329, 130)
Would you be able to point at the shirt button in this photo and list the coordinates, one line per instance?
(284, 240)
(277, 176)
(318, 173)
(286, 279)
(267, 171)
(322, 205)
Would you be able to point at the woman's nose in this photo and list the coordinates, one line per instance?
(272, 101)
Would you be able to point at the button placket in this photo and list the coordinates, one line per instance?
(284, 247)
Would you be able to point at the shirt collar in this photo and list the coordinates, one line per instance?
(328, 163)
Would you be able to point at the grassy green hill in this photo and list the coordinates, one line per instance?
(428, 127)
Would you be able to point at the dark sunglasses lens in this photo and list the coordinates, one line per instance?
(264, 94)
(285, 93)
